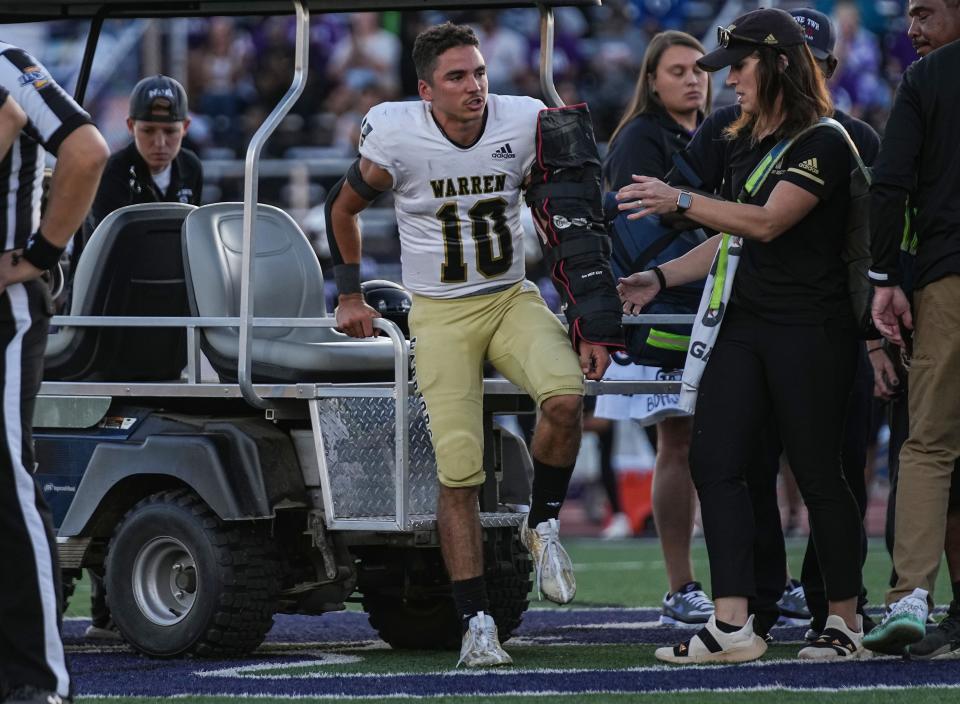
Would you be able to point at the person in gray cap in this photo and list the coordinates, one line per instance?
(153, 167)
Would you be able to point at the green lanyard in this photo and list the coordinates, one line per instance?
(753, 184)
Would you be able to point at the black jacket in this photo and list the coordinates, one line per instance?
(645, 146)
(920, 158)
(127, 180)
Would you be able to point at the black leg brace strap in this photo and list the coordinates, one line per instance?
(564, 196)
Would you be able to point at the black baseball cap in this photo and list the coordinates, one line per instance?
(765, 27)
(817, 30)
(158, 99)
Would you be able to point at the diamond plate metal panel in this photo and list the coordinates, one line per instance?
(359, 446)
(487, 520)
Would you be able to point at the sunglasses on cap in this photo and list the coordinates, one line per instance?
(725, 37)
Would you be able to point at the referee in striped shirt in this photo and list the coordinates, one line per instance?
(36, 116)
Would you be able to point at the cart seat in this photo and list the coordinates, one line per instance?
(131, 266)
(288, 283)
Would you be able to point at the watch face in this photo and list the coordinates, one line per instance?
(684, 201)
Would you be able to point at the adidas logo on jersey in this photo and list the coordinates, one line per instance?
(810, 165)
(504, 152)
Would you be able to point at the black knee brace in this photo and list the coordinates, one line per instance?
(564, 195)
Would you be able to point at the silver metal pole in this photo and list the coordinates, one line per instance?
(550, 95)
(251, 174)
(401, 435)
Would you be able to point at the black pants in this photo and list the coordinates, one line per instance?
(798, 377)
(769, 550)
(31, 651)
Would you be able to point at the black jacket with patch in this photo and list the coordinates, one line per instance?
(127, 180)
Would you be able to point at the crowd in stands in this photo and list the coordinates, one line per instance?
(239, 69)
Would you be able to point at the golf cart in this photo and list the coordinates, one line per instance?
(301, 477)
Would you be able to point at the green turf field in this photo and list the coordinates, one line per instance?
(772, 695)
(630, 573)
(617, 573)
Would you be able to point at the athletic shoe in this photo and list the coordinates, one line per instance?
(793, 604)
(554, 569)
(836, 642)
(816, 627)
(481, 645)
(618, 527)
(109, 632)
(710, 644)
(32, 695)
(943, 643)
(903, 625)
(687, 607)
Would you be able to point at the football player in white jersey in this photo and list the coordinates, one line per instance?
(456, 162)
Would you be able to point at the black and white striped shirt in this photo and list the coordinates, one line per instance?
(51, 115)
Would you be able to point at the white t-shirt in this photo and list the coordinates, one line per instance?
(162, 179)
(458, 209)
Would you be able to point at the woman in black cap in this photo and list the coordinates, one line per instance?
(787, 345)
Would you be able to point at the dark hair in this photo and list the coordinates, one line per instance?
(800, 86)
(432, 42)
(644, 99)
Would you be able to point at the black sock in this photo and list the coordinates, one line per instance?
(470, 597)
(956, 593)
(549, 490)
(726, 627)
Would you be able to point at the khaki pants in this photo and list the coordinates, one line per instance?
(927, 457)
(517, 333)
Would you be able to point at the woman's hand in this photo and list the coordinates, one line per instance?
(886, 381)
(637, 290)
(647, 196)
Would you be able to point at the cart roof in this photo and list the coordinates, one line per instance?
(39, 10)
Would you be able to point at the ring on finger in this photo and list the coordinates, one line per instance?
(639, 203)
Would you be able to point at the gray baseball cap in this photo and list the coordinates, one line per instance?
(158, 99)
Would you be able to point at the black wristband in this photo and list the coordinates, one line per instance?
(40, 252)
(347, 277)
(660, 277)
(875, 349)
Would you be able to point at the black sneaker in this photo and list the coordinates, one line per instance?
(793, 605)
(943, 643)
(32, 695)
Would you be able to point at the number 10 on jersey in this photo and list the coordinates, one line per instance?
(487, 218)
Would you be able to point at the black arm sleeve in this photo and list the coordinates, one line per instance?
(894, 176)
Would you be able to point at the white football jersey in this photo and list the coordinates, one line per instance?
(458, 208)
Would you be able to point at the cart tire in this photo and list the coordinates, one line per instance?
(179, 581)
(432, 623)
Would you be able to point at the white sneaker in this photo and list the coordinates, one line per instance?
(689, 607)
(481, 644)
(710, 644)
(904, 624)
(618, 527)
(837, 642)
(554, 569)
(98, 633)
